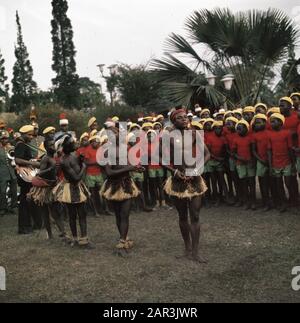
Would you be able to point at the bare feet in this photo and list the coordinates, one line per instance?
(187, 254)
(198, 259)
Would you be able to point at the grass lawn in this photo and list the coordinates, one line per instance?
(250, 254)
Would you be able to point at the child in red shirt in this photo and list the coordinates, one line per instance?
(216, 144)
(245, 164)
(280, 157)
(260, 152)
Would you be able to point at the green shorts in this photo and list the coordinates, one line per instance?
(214, 166)
(261, 169)
(285, 171)
(232, 165)
(92, 181)
(156, 172)
(245, 170)
(298, 164)
(137, 177)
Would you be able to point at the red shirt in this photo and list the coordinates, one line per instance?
(261, 140)
(216, 145)
(81, 150)
(291, 124)
(280, 142)
(207, 134)
(90, 156)
(243, 147)
(230, 136)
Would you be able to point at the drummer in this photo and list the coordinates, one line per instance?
(23, 157)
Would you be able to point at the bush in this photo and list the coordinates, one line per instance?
(48, 115)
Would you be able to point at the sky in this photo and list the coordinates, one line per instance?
(108, 32)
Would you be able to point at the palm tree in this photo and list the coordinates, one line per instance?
(247, 44)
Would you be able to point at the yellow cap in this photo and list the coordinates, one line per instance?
(97, 138)
(273, 110)
(287, 99)
(244, 122)
(160, 116)
(26, 129)
(204, 110)
(48, 129)
(157, 123)
(260, 105)
(295, 94)
(115, 119)
(208, 120)
(228, 112)
(91, 121)
(84, 135)
(260, 116)
(149, 118)
(233, 119)
(237, 111)
(278, 116)
(93, 133)
(249, 109)
(134, 125)
(217, 124)
(147, 124)
(197, 124)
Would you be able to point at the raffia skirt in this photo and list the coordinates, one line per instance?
(41, 191)
(185, 190)
(66, 192)
(119, 189)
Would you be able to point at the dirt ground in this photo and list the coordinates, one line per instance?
(250, 254)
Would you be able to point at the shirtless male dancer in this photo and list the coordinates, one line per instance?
(73, 192)
(185, 190)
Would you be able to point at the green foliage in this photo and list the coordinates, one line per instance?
(4, 87)
(23, 86)
(65, 83)
(90, 93)
(48, 115)
(247, 44)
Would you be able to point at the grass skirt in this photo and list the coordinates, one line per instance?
(65, 192)
(119, 189)
(41, 191)
(185, 190)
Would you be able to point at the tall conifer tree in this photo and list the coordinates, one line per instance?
(65, 83)
(4, 98)
(23, 86)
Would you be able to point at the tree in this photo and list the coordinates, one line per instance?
(139, 88)
(65, 83)
(90, 93)
(4, 87)
(247, 44)
(23, 86)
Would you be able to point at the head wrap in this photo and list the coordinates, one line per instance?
(278, 116)
(91, 121)
(244, 122)
(174, 113)
(63, 121)
(198, 109)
